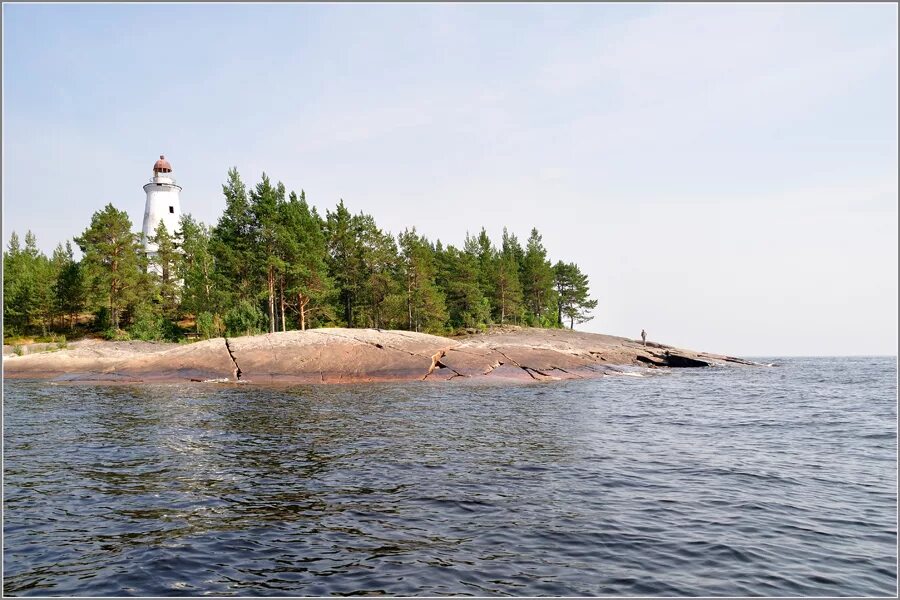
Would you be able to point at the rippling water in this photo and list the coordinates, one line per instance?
(722, 481)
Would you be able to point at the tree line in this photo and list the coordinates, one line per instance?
(273, 263)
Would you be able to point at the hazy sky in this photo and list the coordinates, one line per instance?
(725, 174)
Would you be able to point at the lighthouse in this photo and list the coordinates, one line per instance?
(163, 204)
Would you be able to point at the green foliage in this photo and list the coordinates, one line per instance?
(201, 289)
(244, 319)
(425, 303)
(69, 288)
(459, 277)
(231, 243)
(18, 350)
(573, 301)
(28, 279)
(101, 319)
(305, 276)
(506, 293)
(537, 283)
(378, 259)
(166, 263)
(116, 335)
(209, 325)
(343, 259)
(112, 262)
(151, 326)
(272, 262)
(264, 201)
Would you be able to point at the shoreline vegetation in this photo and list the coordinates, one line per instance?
(342, 355)
(272, 263)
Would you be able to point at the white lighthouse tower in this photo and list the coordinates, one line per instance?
(163, 204)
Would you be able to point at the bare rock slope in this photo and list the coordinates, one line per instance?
(358, 355)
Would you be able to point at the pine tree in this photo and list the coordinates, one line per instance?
(482, 248)
(111, 261)
(58, 262)
(512, 247)
(537, 281)
(426, 309)
(459, 278)
(166, 263)
(264, 201)
(41, 278)
(69, 287)
(378, 259)
(15, 303)
(344, 259)
(507, 290)
(573, 294)
(303, 247)
(28, 281)
(232, 243)
(199, 292)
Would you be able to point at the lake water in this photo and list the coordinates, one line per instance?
(720, 481)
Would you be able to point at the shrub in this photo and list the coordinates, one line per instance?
(18, 350)
(101, 319)
(145, 327)
(244, 319)
(209, 325)
(116, 335)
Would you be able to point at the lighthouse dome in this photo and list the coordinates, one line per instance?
(162, 165)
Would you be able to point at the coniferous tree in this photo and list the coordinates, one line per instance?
(538, 282)
(42, 278)
(232, 244)
(459, 279)
(199, 292)
(15, 296)
(511, 246)
(58, 262)
(69, 290)
(112, 262)
(306, 273)
(484, 250)
(426, 309)
(264, 201)
(507, 289)
(166, 263)
(378, 259)
(269, 252)
(572, 289)
(344, 259)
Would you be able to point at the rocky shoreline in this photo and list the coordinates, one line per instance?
(333, 355)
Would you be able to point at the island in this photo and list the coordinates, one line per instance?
(340, 355)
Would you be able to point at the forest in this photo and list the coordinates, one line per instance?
(273, 263)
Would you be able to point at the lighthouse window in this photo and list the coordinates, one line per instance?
(172, 210)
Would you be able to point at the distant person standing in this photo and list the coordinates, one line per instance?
(644, 336)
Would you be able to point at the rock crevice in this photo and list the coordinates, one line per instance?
(237, 369)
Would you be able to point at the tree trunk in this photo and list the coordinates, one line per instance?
(271, 282)
(283, 316)
(409, 299)
(302, 301)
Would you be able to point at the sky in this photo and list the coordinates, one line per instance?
(726, 175)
